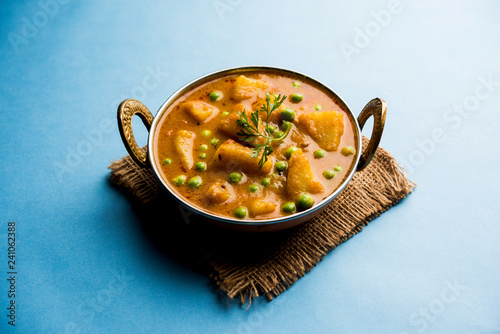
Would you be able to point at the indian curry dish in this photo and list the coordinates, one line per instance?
(255, 145)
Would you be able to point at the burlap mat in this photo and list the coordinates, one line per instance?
(246, 266)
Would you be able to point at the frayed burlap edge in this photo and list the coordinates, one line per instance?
(139, 182)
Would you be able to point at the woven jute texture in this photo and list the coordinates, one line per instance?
(245, 266)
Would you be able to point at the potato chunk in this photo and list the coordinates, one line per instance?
(199, 110)
(259, 207)
(325, 127)
(219, 192)
(231, 155)
(245, 88)
(230, 126)
(300, 177)
(183, 142)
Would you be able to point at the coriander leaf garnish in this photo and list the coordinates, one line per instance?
(251, 132)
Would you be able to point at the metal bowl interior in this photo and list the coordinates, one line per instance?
(256, 225)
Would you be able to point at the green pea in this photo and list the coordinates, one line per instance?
(329, 174)
(270, 129)
(288, 207)
(241, 212)
(296, 84)
(279, 134)
(266, 181)
(215, 95)
(318, 107)
(281, 166)
(297, 98)
(254, 188)
(195, 182)
(289, 151)
(288, 114)
(225, 113)
(179, 180)
(203, 155)
(305, 201)
(200, 166)
(319, 154)
(214, 142)
(235, 177)
(203, 147)
(286, 125)
(167, 161)
(206, 133)
(348, 150)
(337, 168)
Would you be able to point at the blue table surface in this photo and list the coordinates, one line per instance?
(83, 264)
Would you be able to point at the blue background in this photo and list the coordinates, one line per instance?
(428, 265)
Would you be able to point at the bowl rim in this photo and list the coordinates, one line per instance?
(249, 222)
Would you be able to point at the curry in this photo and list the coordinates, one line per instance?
(255, 145)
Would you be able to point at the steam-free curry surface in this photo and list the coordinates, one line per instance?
(201, 152)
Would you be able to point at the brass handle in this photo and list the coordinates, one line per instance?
(376, 108)
(126, 110)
